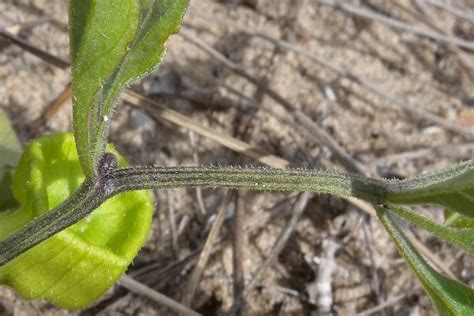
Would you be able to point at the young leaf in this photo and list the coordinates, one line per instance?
(77, 265)
(112, 44)
(452, 187)
(462, 237)
(449, 297)
(453, 219)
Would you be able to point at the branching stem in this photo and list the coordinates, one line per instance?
(111, 181)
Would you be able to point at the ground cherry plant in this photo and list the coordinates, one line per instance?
(75, 215)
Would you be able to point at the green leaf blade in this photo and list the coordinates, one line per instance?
(113, 43)
(99, 33)
(88, 257)
(452, 188)
(460, 236)
(148, 48)
(449, 297)
(453, 219)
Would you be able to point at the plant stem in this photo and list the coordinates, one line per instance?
(111, 181)
(148, 177)
(75, 208)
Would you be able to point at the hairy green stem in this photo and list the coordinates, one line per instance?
(111, 181)
(76, 207)
(148, 177)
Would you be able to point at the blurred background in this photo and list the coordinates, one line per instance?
(378, 88)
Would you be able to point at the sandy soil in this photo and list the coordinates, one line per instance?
(366, 269)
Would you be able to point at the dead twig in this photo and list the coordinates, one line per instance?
(321, 291)
(398, 24)
(457, 151)
(172, 223)
(51, 110)
(381, 306)
(377, 90)
(298, 210)
(432, 20)
(376, 285)
(50, 59)
(141, 289)
(391, 98)
(206, 252)
(161, 112)
(237, 254)
(253, 223)
(463, 13)
(315, 131)
(440, 264)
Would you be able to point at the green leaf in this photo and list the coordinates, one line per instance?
(77, 265)
(460, 236)
(113, 43)
(449, 297)
(452, 187)
(10, 151)
(453, 219)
